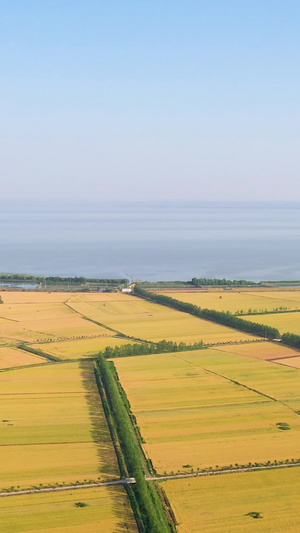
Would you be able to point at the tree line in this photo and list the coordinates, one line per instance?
(144, 348)
(224, 318)
(149, 503)
(59, 279)
(291, 339)
(216, 281)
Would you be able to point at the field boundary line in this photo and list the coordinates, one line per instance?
(123, 481)
(235, 382)
(221, 472)
(132, 481)
(102, 325)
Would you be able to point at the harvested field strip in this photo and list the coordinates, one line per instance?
(107, 509)
(12, 357)
(289, 361)
(227, 501)
(204, 419)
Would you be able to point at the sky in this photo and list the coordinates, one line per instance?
(118, 100)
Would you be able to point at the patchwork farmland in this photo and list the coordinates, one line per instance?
(194, 407)
(46, 413)
(233, 405)
(239, 300)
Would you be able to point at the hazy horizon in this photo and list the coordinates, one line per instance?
(121, 101)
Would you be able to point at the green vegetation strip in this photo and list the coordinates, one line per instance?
(291, 340)
(36, 351)
(151, 514)
(127, 350)
(226, 319)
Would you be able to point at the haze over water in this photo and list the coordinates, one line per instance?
(153, 241)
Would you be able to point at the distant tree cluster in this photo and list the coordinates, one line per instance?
(198, 282)
(77, 280)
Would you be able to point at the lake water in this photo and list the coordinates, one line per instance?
(153, 241)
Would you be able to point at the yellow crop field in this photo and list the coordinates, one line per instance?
(33, 297)
(53, 427)
(135, 317)
(261, 350)
(107, 510)
(34, 330)
(285, 322)
(269, 378)
(11, 357)
(80, 348)
(237, 300)
(205, 408)
(221, 504)
(36, 311)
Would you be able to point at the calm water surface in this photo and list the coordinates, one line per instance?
(154, 241)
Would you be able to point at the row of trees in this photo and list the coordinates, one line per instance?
(58, 279)
(227, 282)
(150, 506)
(149, 348)
(291, 339)
(227, 319)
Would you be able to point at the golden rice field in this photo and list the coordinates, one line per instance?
(52, 427)
(269, 378)
(206, 408)
(107, 510)
(138, 318)
(261, 350)
(237, 300)
(33, 297)
(33, 317)
(221, 504)
(79, 348)
(285, 322)
(50, 329)
(12, 357)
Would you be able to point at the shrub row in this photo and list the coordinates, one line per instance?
(226, 319)
(150, 506)
(36, 351)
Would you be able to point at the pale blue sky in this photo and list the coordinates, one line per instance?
(128, 99)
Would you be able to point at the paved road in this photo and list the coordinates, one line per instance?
(124, 481)
(220, 472)
(131, 480)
